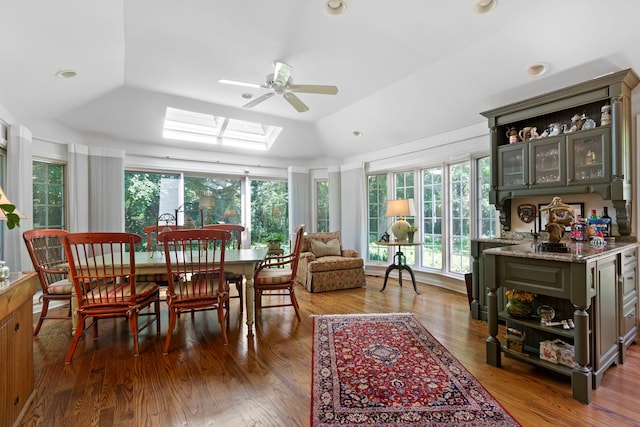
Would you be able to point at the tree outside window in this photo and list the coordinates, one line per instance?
(377, 205)
(432, 193)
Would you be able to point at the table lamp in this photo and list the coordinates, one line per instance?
(400, 208)
(8, 212)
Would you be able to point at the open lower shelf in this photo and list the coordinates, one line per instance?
(534, 323)
(534, 359)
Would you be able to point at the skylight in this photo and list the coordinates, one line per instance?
(198, 127)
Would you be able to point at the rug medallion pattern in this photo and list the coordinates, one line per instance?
(387, 370)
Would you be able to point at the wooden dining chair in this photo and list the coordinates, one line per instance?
(235, 243)
(278, 273)
(151, 231)
(47, 255)
(103, 272)
(195, 268)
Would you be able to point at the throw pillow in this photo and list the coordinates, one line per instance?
(320, 249)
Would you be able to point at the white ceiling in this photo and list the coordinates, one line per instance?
(405, 69)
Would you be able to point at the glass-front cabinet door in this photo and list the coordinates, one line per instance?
(589, 156)
(548, 162)
(513, 165)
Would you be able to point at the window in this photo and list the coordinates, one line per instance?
(219, 198)
(147, 195)
(48, 196)
(377, 205)
(269, 211)
(487, 215)
(460, 218)
(432, 255)
(199, 127)
(322, 206)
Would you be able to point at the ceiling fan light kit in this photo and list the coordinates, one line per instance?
(281, 83)
(335, 7)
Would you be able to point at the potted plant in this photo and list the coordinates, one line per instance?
(410, 231)
(13, 219)
(274, 240)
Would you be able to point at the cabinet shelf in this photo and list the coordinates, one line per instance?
(534, 323)
(534, 359)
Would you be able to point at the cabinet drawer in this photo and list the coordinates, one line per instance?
(630, 318)
(629, 258)
(629, 282)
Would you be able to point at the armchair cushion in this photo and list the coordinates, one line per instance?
(322, 249)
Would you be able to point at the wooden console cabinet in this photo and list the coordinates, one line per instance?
(595, 287)
(16, 345)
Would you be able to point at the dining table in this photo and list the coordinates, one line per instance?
(238, 261)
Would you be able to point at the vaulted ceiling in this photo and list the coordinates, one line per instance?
(405, 69)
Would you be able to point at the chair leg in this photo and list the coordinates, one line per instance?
(294, 302)
(76, 338)
(43, 314)
(157, 306)
(222, 322)
(133, 327)
(172, 324)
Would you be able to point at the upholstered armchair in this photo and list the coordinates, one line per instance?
(325, 266)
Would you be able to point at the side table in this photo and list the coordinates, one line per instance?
(399, 263)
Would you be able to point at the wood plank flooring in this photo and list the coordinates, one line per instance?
(266, 380)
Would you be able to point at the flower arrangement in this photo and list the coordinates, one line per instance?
(518, 295)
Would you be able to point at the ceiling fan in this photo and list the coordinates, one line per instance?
(281, 83)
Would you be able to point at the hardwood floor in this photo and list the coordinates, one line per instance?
(266, 380)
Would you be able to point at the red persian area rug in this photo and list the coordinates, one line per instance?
(387, 370)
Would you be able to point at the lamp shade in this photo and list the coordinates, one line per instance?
(5, 201)
(400, 208)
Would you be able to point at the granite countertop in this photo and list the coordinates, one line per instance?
(578, 251)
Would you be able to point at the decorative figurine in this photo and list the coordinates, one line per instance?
(605, 118)
(534, 133)
(512, 135)
(525, 134)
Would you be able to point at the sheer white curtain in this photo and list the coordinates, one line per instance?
(335, 208)
(78, 185)
(354, 207)
(106, 189)
(299, 200)
(19, 189)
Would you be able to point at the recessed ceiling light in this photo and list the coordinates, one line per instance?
(484, 6)
(357, 133)
(66, 74)
(335, 7)
(536, 70)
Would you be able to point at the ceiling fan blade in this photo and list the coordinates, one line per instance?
(282, 73)
(295, 102)
(258, 100)
(233, 82)
(321, 89)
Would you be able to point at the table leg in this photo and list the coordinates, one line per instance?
(399, 263)
(249, 299)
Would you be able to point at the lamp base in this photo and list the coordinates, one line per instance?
(400, 229)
